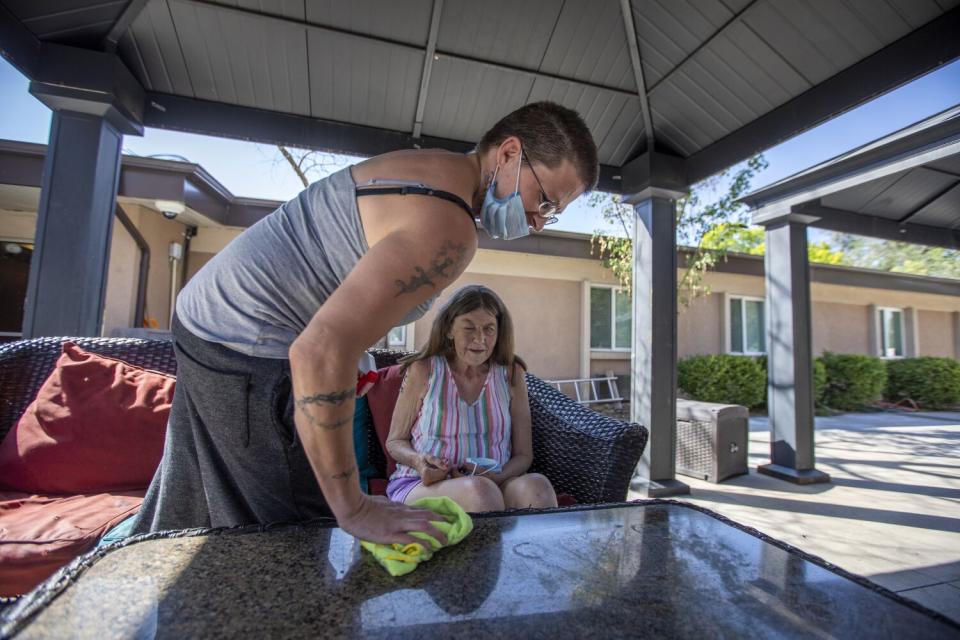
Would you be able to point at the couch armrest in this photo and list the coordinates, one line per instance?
(583, 453)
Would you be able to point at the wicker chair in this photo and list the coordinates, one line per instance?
(585, 454)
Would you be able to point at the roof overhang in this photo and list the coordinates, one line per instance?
(701, 91)
(905, 186)
(145, 181)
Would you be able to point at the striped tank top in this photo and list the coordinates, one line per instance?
(448, 427)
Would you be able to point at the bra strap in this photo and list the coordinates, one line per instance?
(419, 191)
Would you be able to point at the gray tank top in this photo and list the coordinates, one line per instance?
(258, 294)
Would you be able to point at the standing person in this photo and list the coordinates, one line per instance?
(269, 332)
(464, 400)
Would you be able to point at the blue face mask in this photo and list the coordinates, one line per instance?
(504, 218)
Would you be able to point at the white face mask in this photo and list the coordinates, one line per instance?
(504, 218)
(481, 466)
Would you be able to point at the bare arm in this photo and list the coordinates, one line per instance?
(399, 272)
(399, 441)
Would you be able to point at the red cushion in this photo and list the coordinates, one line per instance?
(40, 534)
(382, 397)
(97, 424)
(377, 486)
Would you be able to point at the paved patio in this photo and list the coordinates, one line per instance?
(891, 512)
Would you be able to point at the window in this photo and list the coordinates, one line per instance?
(747, 328)
(891, 333)
(397, 337)
(611, 319)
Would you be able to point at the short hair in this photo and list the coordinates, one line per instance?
(465, 300)
(550, 133)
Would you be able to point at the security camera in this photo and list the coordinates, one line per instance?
(170, 209)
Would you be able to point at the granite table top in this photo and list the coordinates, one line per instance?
(658, 569)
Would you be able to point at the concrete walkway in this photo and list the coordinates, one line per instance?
(891, 512)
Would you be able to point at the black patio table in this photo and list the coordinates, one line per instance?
(657, 568)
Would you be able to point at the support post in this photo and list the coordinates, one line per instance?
(789, 357)
(956, 334)
(654, 367)
(68, 273)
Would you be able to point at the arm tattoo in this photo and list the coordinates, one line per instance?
(444, 265)
(343, 475)
(329, 426)
(337, 397)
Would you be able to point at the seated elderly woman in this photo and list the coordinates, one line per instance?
(463, 400)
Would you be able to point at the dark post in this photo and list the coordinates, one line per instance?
(68, 273)
(789, 358)
(654, 369)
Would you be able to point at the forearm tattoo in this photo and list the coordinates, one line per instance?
(444, 265)
(329, 426)
(343, 475)
(336, 398)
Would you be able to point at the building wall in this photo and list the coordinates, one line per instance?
(546, 316)
(122, 276)
(196, 261)
(158, 233)
(840, 328)
(700, 327)
(936, 334)
(17, 225)
(544, 293)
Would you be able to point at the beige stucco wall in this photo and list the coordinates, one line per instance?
(122, 275)
(840, 328)
(700, 327)
(546, 316)
(196, 262)
(17, 225)
(158, 232)
(935, 337)
(545, 294)
(124, 261)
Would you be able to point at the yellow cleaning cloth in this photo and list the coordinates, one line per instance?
(401, 559)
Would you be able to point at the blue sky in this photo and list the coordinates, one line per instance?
(254, 170)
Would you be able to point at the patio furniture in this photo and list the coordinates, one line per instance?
(584, 454)
(587, 456)
(712, 440)
(654, 569)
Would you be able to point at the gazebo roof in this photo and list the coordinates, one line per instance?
(709, 82)
(905, 186)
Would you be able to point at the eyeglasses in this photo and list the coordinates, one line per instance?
(548, 209)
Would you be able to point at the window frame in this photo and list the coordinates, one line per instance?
(403, 341)
(613, 321)
(881, 334)
(743, 324)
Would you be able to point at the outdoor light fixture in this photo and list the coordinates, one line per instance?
(169, 208)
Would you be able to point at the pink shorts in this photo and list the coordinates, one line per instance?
(399, 488)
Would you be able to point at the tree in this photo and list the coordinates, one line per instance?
(735, 238)
(697, 214)
(901, 257)
(305, 162)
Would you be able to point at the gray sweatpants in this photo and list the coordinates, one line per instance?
(231, 455)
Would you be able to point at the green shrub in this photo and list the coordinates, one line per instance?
(722, 378)
(933, 383)
(819, 379)
(852, 380)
